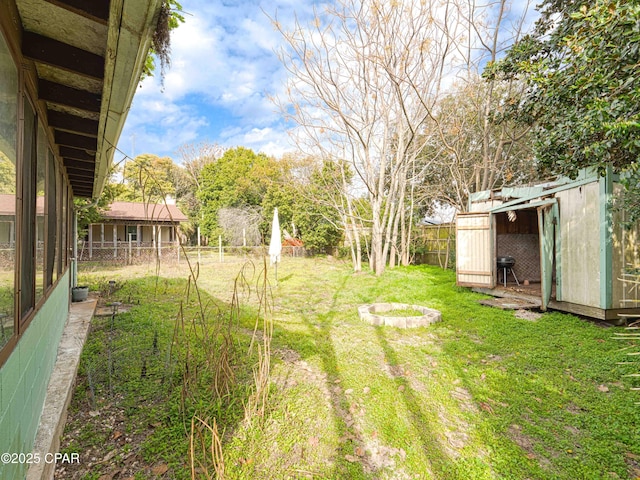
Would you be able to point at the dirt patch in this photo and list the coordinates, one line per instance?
(108, 309)
(527, 315)
(394, 371)
(118, 454)
(376, 458)
(464, 398)
(633, 463)
(287, 355)
(527, 444)
(508, 303)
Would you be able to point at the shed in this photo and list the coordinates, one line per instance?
(568, 242)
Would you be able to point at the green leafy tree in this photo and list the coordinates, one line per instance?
(305, 207)
(187, 181)
(240, 178)
(90, 211)
(148, 178)
(7, 175)
(581, 66)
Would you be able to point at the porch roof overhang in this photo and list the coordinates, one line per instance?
(87, 57)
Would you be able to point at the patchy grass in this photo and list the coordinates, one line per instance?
(482, 394)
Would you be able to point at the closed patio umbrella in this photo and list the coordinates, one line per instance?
(275, 246)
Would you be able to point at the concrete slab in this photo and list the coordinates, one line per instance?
(60, 388)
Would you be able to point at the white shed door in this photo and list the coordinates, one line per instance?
(475, 263)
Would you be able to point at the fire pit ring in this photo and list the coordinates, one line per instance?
(374, 314)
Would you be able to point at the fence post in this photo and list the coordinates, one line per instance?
(130, 250)
(199, 259)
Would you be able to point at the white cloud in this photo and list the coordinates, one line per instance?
(223, 67)
(223, 70)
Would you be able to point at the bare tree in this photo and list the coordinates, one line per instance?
(365, 76)
(187, 178)
(241, 225)
(474, 148)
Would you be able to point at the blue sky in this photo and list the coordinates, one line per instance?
(224, 67)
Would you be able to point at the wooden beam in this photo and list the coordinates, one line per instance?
(58, 54)
(80, 165)
(95, 9)
(77, 154)
(82, 194)
(75, 179)
(72, 123)
(76, 141)
(72, 97)
(78, 172)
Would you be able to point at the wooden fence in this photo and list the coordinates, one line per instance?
(435, 245)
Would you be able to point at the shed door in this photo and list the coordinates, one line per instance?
(547, 221)
(475, 263)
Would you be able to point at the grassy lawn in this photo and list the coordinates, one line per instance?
(482, 394)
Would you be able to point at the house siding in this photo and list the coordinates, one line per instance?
(25, 375)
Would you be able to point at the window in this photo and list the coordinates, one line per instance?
(8, 136)
(64, 253)
(52, 224)
(28, 212)
(41, 180)
(132, 233)
(60, 222)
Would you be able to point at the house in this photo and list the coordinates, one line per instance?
(567, 240)
(133, 229)
(68, 73)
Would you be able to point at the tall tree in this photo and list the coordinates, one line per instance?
(364, 78)
(475, 148)
(240, 178)
(583, 98)
(148, 178)
(367, 83)
(187, 179)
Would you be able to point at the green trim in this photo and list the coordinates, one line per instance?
(606, 247)
(558, 253)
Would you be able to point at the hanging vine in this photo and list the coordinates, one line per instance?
(169, 18)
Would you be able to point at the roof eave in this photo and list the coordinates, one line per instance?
(131, 27)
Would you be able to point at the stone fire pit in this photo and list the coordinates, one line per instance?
(375, 315)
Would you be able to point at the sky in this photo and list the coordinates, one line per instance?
(224, 69)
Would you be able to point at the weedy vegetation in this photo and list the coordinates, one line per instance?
(222, 374)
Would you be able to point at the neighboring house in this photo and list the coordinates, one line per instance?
(130, 225)
(567, 240)
(68, 72)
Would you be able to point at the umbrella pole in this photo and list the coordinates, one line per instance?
(276, 273)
